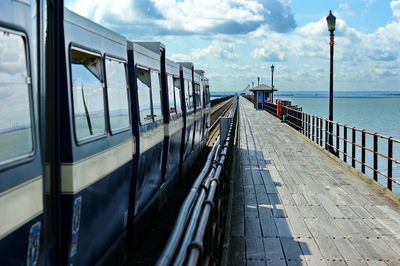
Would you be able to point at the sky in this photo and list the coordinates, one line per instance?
(236, 41)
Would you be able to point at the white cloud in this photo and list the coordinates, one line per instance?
(187, 17)
(395, 5)
(238, 66)
(216, 50)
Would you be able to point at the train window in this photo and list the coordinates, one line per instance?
(197, 95)
(171, 95)
(117, 95)
(87, 86)
(155, 94)
(15, 120)
(177, 90)
(143, 87)
(189, 101)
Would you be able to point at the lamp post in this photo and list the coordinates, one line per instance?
(272, 83)
(331, 20)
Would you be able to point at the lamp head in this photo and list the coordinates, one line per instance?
(331, 20)
(272, 68)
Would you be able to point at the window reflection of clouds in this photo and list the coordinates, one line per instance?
(177, 89)
(15, 119)
(87, 89)
(155, 92)
(172, 109)
(143, 85)
(117, 93)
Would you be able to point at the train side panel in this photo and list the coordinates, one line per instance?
(21, 170)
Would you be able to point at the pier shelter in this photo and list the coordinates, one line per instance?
(262, 93)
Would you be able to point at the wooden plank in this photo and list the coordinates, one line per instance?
(330, 207)
(273, 251)
(252, 227)
(283, 226)
(268, 226)
(347, 250)
(292, 250)
(328, 248)
(299, 228)
(237, 250)
(254, 248)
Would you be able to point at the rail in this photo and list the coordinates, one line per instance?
(350, 144)
(197, 235)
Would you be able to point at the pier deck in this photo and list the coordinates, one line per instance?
(294, 205)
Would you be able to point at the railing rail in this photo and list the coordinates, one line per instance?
(368, 150)
(197, 235)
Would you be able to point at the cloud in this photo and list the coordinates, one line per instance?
(216, 50)
(238, 67)
(269, 54)
(395, 5)
(187, 17)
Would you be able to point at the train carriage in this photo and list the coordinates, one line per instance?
(21, 167)
(146, 84)
(174, 133)
(94, 130)
(186, 74)
(96, 142)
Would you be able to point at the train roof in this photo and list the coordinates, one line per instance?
(172, 67)
(186, 69)
(89, 25)
(144, 57)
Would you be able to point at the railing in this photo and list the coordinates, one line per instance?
(369, 152)
(197, 236)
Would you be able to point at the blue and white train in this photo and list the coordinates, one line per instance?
(95, 131)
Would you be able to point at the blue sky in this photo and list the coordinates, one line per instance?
(236, 41)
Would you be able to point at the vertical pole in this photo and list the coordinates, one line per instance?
(313, 128)
(272, 83)
(353, 147)
(375, 157)
(317, 130)
(390, 162)
(309, 126)
(326, 135)
(337, 140)
(345, 143)
(332, 43)
(363, 151)
(320, 131)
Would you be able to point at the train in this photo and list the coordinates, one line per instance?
(96, 130)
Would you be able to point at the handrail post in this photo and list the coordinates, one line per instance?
(337, 139)
(317, 130)
(313, 128)
(345, 143)
(390, 163)
(309, 126)
(353, 147)
(326, 135)
(320, 131)
(363, 151)
(375, 157)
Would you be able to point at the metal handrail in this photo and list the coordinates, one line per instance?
(316, 128)
(187, 243)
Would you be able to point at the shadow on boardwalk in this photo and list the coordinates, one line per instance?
(260, 230)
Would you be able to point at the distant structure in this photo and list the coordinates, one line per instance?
(262, 94)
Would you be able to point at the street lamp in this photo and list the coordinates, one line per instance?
(331, 20)
(272, 83)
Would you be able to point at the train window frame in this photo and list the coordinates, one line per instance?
(177, 89)
(84, 49)
(120, 60)
(28, 156)
(143, 123)
(171, 90)
(156, 73)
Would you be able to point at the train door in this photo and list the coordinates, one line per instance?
(21, 170)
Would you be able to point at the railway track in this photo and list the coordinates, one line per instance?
(217, 112)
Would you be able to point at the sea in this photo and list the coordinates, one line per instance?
(374, 111)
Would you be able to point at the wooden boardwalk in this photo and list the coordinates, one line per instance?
(294, 205)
